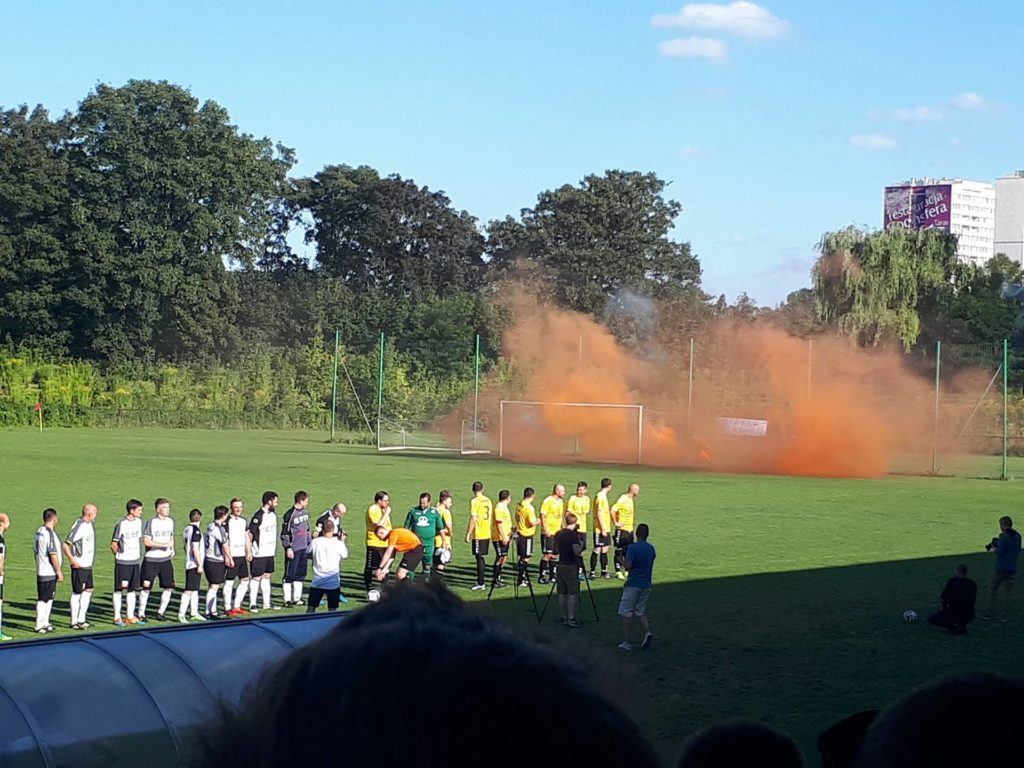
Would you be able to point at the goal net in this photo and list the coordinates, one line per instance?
(592, 432)
(396, 435)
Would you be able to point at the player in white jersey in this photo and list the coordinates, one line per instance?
(48, 570)
(263, 540)
(241, 555)
(5, 523)
(158, 540)
(216, 558)
(192, 543)
(80, 550)
(126, 544)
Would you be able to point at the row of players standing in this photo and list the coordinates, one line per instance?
(232, 547)
(611, 525)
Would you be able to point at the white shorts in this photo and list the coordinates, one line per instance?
(634, 601)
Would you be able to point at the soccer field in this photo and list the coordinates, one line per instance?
(775, 598)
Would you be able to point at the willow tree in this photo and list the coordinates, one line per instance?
(872, 284)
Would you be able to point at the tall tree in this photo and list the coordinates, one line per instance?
(388, 236)
(164, 192)
(869, 284)
(33, 228)
(608, 234)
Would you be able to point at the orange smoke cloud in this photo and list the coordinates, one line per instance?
(832, 409)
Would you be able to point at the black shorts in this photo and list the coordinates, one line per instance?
(500, 549)
(193, 581)
(602, 539)
(583, 540)
(240, 569)
(127, 576)
(374, 557)
(45, 590)
(295, 569)
(216, 572)
(412, 558)
(547, 545)
(480, 547)
(151, 569)
(623, 539)
(262, 566)
(524, 545)
(81, 580)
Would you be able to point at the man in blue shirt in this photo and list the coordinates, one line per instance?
(1007, 549)
(633, 605)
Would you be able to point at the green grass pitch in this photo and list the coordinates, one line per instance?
(775, 598)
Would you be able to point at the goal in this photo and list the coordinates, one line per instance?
(592, 432)
(396, 435)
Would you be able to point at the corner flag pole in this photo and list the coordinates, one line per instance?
(935, 428)
(380, 386)
(334, 392)
(1005, 417)
(476, 393)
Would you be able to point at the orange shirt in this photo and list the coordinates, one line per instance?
(403, 540)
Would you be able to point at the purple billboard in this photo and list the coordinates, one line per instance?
(919, 207)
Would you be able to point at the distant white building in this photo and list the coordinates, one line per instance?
(966, 209)
(1010, 216)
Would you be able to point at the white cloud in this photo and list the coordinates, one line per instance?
(693, 151)
(695, 48)
(969, 101)
(743, 19)
(907, 114)
(872, 141)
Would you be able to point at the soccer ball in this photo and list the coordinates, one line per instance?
(909, 617)
(446, 555)
(373, 595)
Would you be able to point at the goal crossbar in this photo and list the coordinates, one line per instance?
(626, 406)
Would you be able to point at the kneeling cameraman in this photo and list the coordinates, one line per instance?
(956, 603)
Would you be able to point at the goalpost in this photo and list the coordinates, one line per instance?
(573, 429)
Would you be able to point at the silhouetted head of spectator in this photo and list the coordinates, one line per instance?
(740, 744)
(957, 721)
(419, 679)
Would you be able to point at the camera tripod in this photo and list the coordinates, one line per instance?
(515, 582)
(590, 592)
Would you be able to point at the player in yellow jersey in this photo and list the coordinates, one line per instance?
(624, 518)
(501, 535)
(602, 530)
(443, 541)
(579, 505)
(526, 530)
(552, 510)
(378, 513)
(479, 531)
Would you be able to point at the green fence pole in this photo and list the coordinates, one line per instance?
(1005, 414)
(476, 393)
(380, 387)
(935, 427)
(334, 392)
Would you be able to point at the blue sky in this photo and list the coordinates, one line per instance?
(774, 122)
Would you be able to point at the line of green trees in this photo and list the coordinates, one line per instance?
(146, 272)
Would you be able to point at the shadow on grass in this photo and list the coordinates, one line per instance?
(799, 650)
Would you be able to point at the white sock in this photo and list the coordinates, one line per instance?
(211, 600)
(165, 600)
(143, 602)
(229, 588)
(75, 600)
(240, 593)
(286, 587)
(40, 621)
(195, 603)
(1, 616)
(117, 606)
(265, 591)
(254, 585)
(49, 609)
(297, 591)
(183, 605)
(84, 609)
(131, 604)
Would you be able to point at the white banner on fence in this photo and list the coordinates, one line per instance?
(743, 427)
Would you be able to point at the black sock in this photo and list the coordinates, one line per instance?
(480, 566)
(604, 562)
(540, 568)
(496, 571)
(593, 560)
(367, 578)
(551, 569)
